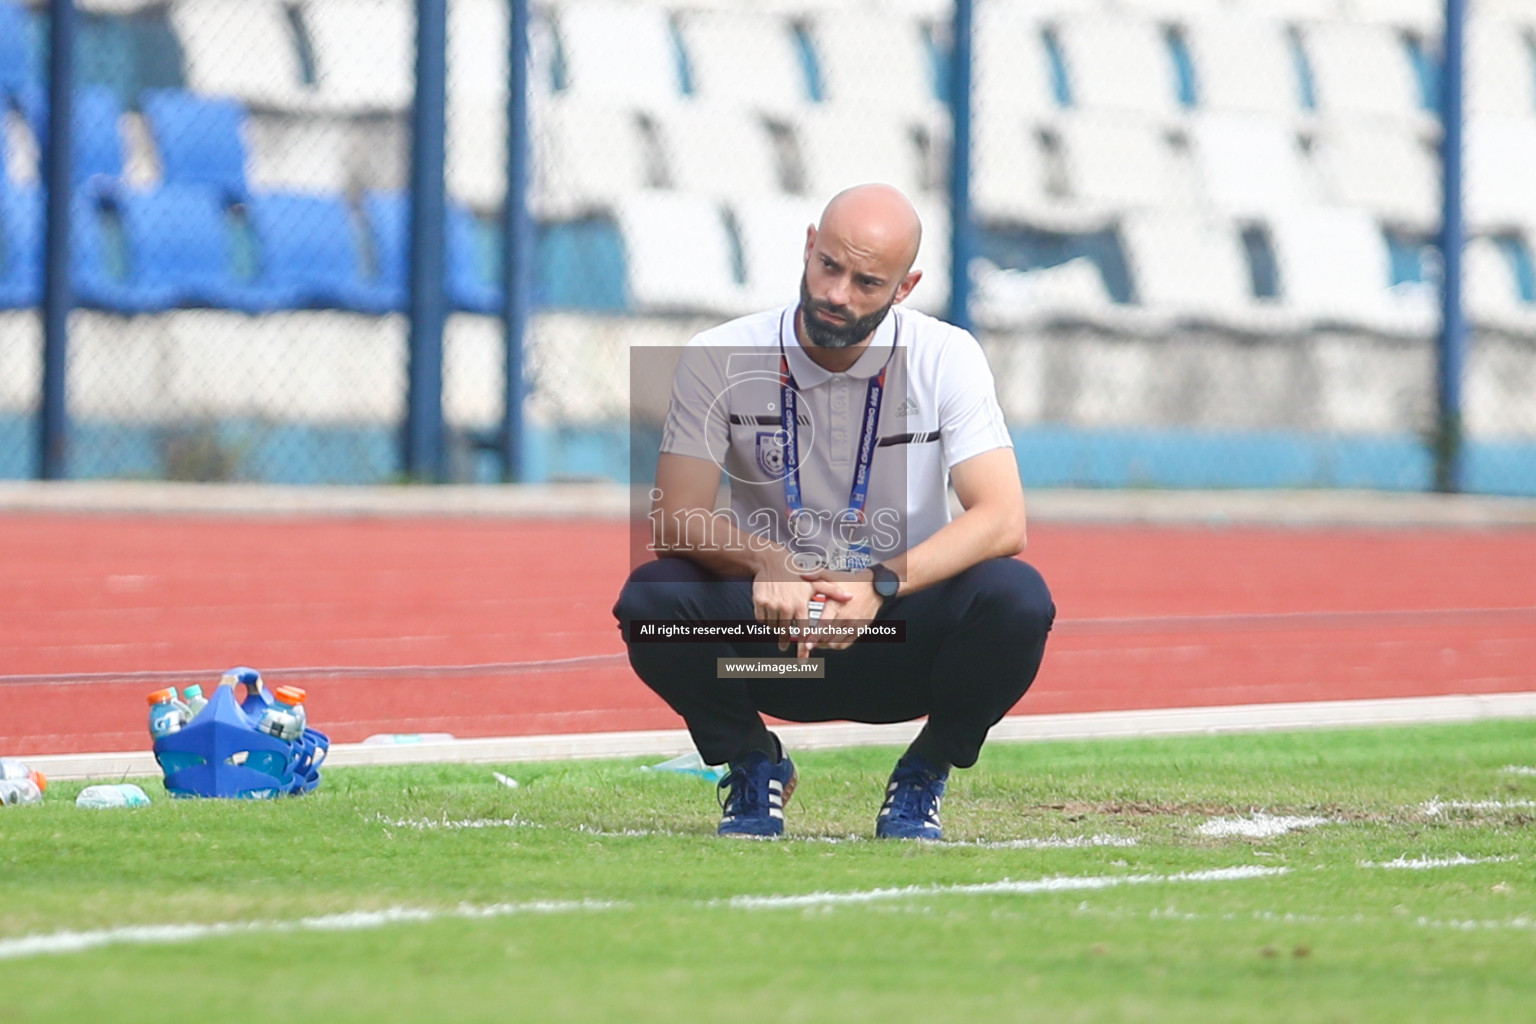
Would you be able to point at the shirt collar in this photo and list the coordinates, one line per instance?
(808, 373)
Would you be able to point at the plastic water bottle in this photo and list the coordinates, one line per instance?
(195, 700)
(13, 770)
(282, 718)
(166, 713)
(20, 784)
(124, 794)
(295, 699)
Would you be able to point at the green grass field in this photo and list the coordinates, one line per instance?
(1082, 882)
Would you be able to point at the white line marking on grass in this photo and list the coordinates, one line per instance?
(1424, 863)
(1521, 923)
(1258, 826)
(1519, 769)
(427, 824)
(353, 920)
(154, 934)
(1048, 843)
(1005, 887)
(1436, 807)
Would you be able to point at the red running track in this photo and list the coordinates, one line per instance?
(1148, 617)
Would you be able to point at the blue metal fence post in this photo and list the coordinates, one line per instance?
(962, 233)
(518, 247)
(424, 448)
(53, 407)
(1450, 355)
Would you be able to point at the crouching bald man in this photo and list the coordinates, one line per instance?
(838, 422)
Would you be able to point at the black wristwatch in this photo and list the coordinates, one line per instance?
(887, 583)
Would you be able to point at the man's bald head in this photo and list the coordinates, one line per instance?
(878, 220)
(858, 264)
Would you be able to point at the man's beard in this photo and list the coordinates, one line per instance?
(849, 332)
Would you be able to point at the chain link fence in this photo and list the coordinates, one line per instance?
(1204, 227)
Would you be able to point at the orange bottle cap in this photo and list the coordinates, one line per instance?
(289, 694)
(41, 779)
(161, 696)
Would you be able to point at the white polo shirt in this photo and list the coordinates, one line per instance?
(938, 407)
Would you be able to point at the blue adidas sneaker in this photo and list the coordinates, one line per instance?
(753, 796)
(912, 799)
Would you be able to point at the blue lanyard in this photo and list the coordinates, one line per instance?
(789, 422)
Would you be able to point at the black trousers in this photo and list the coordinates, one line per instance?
(973, 646)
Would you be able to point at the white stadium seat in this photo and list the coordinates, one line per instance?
(1171, 9)
(1014, 298)
(745, 57)
(1291, 10)
(1115, 162)
(1008, 169)
(1334, 267)
(1118, 63)
(872, 58)
(476, 156)
(1423, 16)
(718, 150)
(1243, 62)
(1381, 167)
(1501, 67)
(773, 237)
(1249, 164)
(1186, 264)
(848, 145)
(618, 51)
(308, 152)
(587, 154)
(678, 254)
(245, 50)
(1491, 291)
(1516, 9)
(1500, 153)
(1011, 73)
(1361, 69)
(364, 53)
(478, 34)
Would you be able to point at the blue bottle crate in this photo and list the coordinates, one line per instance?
(234, 759)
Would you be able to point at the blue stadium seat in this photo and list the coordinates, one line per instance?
(309, 254)
(21, 247)
(388, 216)
(18, 67)
(98, 144)
(200, 138)
(96, 267)
(176, 251)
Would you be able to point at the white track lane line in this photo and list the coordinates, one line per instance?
(62, 942)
